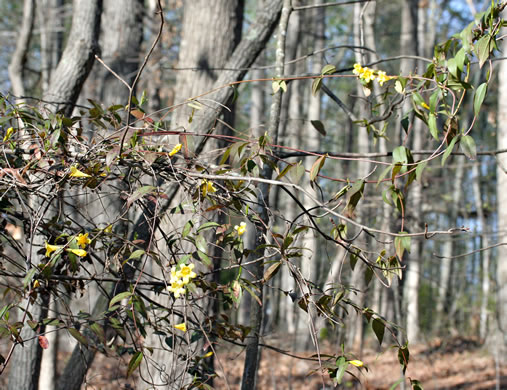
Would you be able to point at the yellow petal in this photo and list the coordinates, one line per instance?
(425, 105)
(78, 252)
(357, 363)
(74, 172)
(208, 354)
(175, 150)
(83, 240)
(8, 133)
(51, 248)
(182, 327)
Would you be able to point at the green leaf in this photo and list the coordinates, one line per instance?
(316, 85)
(432, 124)
(449, 149)
(368, 275)
(396, 384)
(453, 67)
(186, 229)
(78, 336)
(135, 361)
(401, 244)
(328, 69)
(378, 327)
(434, 101)
(120, 297)
(207, 225)
(136, 254)
(480, 94)
(319, 126)
(317, 166)
(29, 276)
(460, 59)
(482, 49)
(468, 145)
(355, 194)
(416, 385)
(419, 170)
(201, 244)
(342, 365)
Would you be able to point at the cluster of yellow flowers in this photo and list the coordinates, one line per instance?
(207, 187)
(241, 229)
(81, 239)
(180, 278)
(368, 74)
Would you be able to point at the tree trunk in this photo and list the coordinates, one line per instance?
(77, 58)
(501, 172)
(18, 59)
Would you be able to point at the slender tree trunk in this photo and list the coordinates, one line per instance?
(447, 248)
(77, 58)
(72, 71)
(311, 141)
(501, 272)
(18, 59)
(252, 353)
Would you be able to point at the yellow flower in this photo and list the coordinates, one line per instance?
(367, 75)
(74, 172)
(241, 229)
(175, 150)
(182, 327)
(207, 187)
(36, 283)
(357, 363)
(186, 273)
(210, 353)
(425, 105)
(51, 248)
(78, 252)
(8, 133)
(382, 78)
(358, 69)
(83, 240)
(177, 288)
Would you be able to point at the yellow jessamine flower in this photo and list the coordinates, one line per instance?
(425, 105)
(357, 363)
(210, 353)
(78, 252)
(83, 240)
(177, 288)
(382, 78)
(8, 133)
(367, 75)
(241, 229)
(186, 273)
(358, 69)
(51, 248)
(182, 327)
(207, 187)
(74, 172)
(175, 150)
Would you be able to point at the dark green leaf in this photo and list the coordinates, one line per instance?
(135, 361)
(319, 126)
(480, 94)
(78, 336)
(120, 297)
(378, 327)
(432, 124)
(448, 151)
(342, 365)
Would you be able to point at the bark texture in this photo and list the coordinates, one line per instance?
(77, 58)
(18, 60)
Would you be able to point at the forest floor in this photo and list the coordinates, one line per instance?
(458, 363)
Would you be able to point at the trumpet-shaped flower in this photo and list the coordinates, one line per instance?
(357, 363)
(51, 248)
(186, 273)
(74, 172)
(177, 288)
(241, 229)
(175, 150)
(83, 240)
(78, 252)
(367, 75)
(358, 69)
(182, 326)
(382, 78)
(207, 187)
